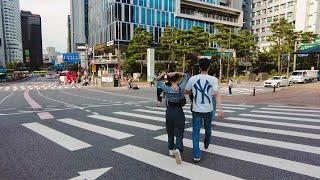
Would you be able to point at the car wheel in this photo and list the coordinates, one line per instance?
(290, 83)
(278, 85)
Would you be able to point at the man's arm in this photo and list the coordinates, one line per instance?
(218, 100)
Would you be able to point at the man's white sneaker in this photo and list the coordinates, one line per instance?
(177, 155)
(171, 152)
(197, 159)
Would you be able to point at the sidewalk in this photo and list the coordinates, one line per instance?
(297, 95)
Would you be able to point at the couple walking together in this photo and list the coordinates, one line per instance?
(205, 92)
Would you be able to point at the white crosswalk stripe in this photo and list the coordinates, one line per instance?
(97, 129)
(262, 141)
(270, 161)
(292, 110)
(293, 107)
(62, 139)
(286, 113)
(125, 122)
(153, 118)
(280, 117)
(45, 86)
(163, 162)
(273, 123)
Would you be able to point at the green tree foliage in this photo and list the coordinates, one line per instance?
(15, 65)
(283, 39)
(137, 48)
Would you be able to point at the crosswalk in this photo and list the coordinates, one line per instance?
(35, 86)
(242, 90)
(279, 137)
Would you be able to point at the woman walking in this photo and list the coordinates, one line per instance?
(230, 85)
(175, 118)
(159, 91)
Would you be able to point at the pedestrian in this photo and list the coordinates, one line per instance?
(159, 92)
(203, 87)
(230, 86)
(175, 118)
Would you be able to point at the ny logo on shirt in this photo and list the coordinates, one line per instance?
(204, 91)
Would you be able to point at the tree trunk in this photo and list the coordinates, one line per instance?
(279, 64)
(184, 63)
(235, 67)
(228, 68)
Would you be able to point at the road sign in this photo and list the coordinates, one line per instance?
(71, 57)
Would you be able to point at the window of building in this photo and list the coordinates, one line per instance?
(253, 5)
(282, 16)
(264, 11)
(290, 4)
(258, 13)
(259, 4)
(289, 15)
(270, 1)
(269, 19)
(258, 30)
(253, 14)
(276, 8)
(258, 22)
(263, 29)
(252, 23)
(283, 6)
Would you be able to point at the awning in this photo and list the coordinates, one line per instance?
(311, 50)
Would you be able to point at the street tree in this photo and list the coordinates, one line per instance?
(281, 39)
(137, 48)
(167, 45)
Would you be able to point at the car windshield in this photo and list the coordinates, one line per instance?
(296, 73)
(276, 78)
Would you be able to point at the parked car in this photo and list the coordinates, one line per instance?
(277, 81)
(49, 76)
(304, 76)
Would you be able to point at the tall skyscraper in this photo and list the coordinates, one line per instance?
(2, 54)
(11, 27)
(111, 22)
(69, 33)
(259, 15)
(79, 23)
(31, 39)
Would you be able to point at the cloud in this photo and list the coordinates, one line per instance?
(54, 14)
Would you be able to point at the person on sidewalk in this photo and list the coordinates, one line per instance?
(203, 87)
(175, 118)
(230, 86)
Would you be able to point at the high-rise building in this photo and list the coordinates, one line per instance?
(259, 15)
(31, 39)
(52, 54)
(11, 28)
(2, 54)
(79, 23)
(69, 33)
(111, 22)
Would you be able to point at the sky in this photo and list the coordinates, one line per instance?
(54, 14)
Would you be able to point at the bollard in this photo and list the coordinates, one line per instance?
(254, 91)
(274, 89)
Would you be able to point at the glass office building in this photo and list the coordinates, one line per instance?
(111, 21)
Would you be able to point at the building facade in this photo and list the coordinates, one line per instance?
(113, 22)
(2, 54)
(31, 39)
(52, 55)
(259, 15)
(79, 23)
(11, 25)
(69, 33)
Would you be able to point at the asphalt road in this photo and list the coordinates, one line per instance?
(53, 132)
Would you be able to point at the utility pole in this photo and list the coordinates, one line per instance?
(228, 68)
(295, 55)
(288, 69)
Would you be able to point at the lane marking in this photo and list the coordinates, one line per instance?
(294, 107)
(159, 112)
(122, 95)
(66, 141)
(293, 110)
(45, 115)
(287, 113)
(5, 98)
(274, 162)
(97, 129)
(273, 123)
(281, 117)
(30, 101)
(153, 118)
(269, 130)
(168, 164)
(262, 141)
(125, 122)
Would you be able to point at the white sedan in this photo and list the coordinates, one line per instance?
(277, 81)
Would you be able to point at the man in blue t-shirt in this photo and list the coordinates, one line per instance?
(203, 87)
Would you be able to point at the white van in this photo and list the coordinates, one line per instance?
(304, 76)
